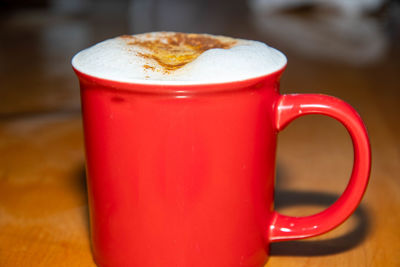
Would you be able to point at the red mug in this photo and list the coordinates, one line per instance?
(183, 175)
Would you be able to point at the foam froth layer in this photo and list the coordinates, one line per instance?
(178, 58)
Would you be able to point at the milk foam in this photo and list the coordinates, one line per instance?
(118, 60)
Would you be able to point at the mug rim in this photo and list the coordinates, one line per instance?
(186, 88)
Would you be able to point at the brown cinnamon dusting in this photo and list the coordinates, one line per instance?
(174, 50)
(148, 67)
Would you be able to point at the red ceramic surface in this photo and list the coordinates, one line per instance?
(183, 176)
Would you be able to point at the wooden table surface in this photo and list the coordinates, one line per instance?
(43, 204)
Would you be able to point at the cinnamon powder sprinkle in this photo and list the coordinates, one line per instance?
(172, 51)
(148, 67)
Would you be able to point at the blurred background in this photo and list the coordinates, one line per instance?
(39, 37)
(346, 48)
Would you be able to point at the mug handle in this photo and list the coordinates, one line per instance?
(290, 107)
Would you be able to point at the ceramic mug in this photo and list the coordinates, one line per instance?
(183, 175)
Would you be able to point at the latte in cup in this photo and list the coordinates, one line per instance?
(178, 58)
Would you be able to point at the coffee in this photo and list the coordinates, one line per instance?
(178, 58)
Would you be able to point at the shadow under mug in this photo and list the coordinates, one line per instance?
(183, 175)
